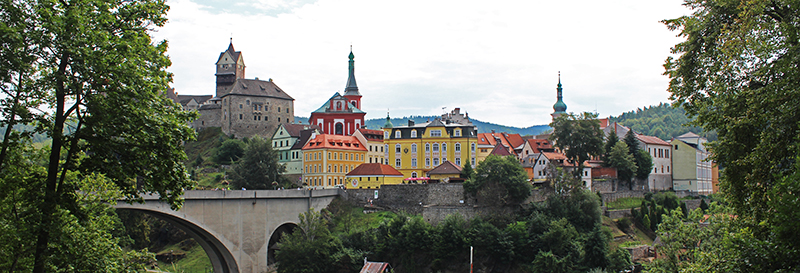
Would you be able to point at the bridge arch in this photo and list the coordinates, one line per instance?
(287, 227)
(221, 258)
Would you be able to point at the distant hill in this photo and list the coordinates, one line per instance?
(483, 127)
(662, 121)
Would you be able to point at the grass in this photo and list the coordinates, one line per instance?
(196, 260)
(625, 203)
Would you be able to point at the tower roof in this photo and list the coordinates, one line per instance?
(352, 87)
(560, 107)
(388, 123)
(234, 54)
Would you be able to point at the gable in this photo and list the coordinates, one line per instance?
(226, 58)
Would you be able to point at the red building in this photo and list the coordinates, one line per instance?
(341, 115)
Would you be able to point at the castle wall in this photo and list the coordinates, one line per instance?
(241, 120)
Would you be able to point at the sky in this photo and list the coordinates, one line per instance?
(499, 61)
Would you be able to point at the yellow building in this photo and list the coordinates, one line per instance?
(416, 149)
(327, 158)
(373, 141)
(372, 176)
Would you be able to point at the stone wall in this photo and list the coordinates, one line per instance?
(613, 196)
(604, 185)
(359, 197)
(640, 252)
(238, 115)
(617, 214)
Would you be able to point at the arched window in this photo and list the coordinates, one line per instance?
(339, 129)
(435, 147)
(435, 161)
(413, 133)
(414, 148)
(339, 106)
(444, 147)
(458, 147)
(473, 149)
(397, 148)
(397, 134)
(427, 147)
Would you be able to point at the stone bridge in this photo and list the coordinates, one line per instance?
(237, 229)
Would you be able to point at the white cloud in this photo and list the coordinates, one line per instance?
(497, 61)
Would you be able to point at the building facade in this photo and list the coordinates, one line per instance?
(328, 158)
(691, 169)
(416, 149)
(372, 176)
(373, 141)
(661, 176)
(285, 140)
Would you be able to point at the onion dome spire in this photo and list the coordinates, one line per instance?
(560, 107)
(388, 123)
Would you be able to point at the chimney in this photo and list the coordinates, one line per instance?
(410, 123)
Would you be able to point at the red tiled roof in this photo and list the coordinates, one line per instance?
(447, 167)
(374, 267)
(500, 150)
(334, 142)
(552, 156)
(514, 139)
(538, 144)
(373, 169)
(651, 140)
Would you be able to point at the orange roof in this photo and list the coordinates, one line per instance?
(538, 144)
(334, 142)
(514, 139)
(508, 140)
(374, 169)
(651, 140)
(552, 156)
(500, 150)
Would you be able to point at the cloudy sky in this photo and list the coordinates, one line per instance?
(496, 60)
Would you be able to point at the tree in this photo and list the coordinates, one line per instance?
(500, 179)
(644, 163)
(620, 159)
(310, 247)
(93, 64)
(258, 167)
(230, 151)
(467, 172)
(578, 137)
(611, 140)
(737, 74)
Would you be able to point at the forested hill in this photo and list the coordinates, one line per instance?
(483, 127)
(662, 121)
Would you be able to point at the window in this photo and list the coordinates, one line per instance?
(436, 133)
(279, 109)
(458, 147)
(397, 163)
(413, 162)
(413, 133)
(386, 134)
(397, 148)
(473, 162)
(473, 150)
(458, 161)
(397, 134)
(666, 153)
(387, 148)
(240, 116)
(287, 110)
(444, 147)
(435, 147)
(414, 174)
(255, 107)
(427, 147)
(676, 147)
(457, 132)
(444, 159)
(414, 148)
(427, 162)
(240, 106)
(435, 162)
(662, 169)
(667, 168)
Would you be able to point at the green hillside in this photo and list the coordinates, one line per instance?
(662, 121)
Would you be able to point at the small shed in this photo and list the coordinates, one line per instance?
(374, 267)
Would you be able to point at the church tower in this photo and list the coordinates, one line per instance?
(351, 90)
(230, 67)
(560, 107)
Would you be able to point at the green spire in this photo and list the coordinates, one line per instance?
(560, 107)
(388, 123)
(352, 88)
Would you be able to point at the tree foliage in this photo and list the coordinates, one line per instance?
(579, 138)
(93, 65)
(230, 151)
(736, 73)
(258, 167)
(499, 180)
(620, 159)
(662, 121)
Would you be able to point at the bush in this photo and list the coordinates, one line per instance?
(624, 223)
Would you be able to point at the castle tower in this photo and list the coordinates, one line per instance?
(560, 107)
(351, 90)
(230, 67)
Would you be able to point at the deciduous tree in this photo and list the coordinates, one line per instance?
(500, 179)
(579, 138)
(258, 167)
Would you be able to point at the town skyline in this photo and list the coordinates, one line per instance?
(494, 63)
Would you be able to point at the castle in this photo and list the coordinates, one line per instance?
(241, 107)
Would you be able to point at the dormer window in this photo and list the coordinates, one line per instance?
(413, 133)
(436, 133)
(397, 134)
